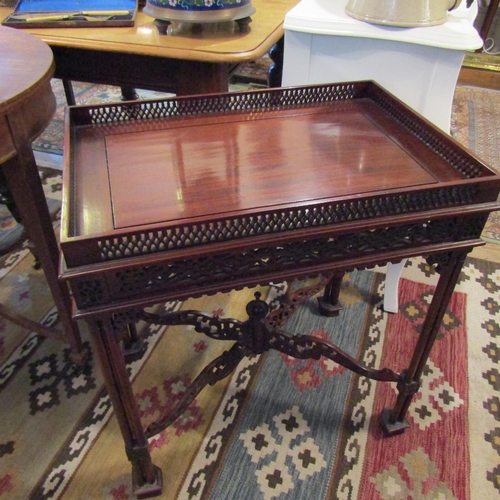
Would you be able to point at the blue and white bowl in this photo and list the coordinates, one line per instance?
(199, 11)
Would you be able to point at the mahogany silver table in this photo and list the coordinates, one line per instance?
(308, 181)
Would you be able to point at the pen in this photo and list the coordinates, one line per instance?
(62, 17)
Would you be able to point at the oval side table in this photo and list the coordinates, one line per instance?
(27, 105)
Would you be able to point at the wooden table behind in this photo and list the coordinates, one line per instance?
(140, 57)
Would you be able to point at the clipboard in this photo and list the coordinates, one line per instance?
(72, 13)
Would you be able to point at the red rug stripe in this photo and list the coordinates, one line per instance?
(445, 441)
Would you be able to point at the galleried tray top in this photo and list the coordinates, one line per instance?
(157, 176)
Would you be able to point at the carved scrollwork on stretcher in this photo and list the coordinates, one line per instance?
(253, 336)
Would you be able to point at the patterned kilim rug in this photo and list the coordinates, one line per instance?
(277, 428)
(474, 123)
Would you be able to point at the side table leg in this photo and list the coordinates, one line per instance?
(393, 421)
(69, 92)
(7, 199)
(329, 304)
(129, 94)
(146, 477)
(133, 345)
(196, 77)
(21, 173)
(275, 71)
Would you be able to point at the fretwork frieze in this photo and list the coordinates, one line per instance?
(459, 160)
(274, 222)
(256, 102)
(266, 261)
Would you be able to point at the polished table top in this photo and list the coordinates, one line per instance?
(143, 38)
(173, 172)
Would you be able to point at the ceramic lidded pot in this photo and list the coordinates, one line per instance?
(199, 11)
(405, 13)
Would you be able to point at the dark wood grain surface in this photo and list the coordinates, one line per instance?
(152, 172)
(214, 169)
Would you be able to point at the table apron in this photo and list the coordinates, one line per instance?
(104, 293)
(160, 74)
